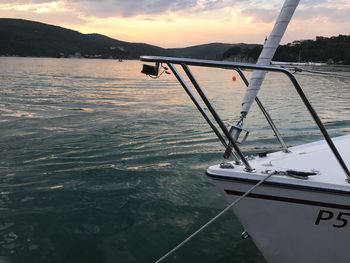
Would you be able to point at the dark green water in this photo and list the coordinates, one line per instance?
(99, 163)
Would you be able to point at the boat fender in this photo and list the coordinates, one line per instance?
(226, 165)
(293, 173)
(263, 154)
(244, 234)
(301, 173)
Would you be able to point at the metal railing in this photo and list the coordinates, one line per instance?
(238, 155)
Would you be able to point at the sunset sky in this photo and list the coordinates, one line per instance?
(180, 23)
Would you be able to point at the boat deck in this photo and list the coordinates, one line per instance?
(315, 156)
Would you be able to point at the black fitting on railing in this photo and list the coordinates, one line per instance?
(150, 70)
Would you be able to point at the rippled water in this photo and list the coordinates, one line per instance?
(102, 164)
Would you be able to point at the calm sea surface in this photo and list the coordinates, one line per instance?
(99, 163)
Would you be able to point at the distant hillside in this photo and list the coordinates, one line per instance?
(28, 38)
(207, 51)
(330, 50)
(326, 50)
(243, 54)
(20, 37)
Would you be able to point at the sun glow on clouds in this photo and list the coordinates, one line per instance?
(35, 8)
(167, 30)
(180, 23)
(179, 30)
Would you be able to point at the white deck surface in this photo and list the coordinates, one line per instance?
(306, 157)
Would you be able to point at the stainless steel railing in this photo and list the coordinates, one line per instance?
(238, 155)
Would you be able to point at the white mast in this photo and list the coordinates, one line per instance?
(267, 53)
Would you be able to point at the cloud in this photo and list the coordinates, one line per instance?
(258, 11)
(260, 15)
(46, 11)
(123, 8)
(26, 2)
(129, 8)
(308, 9)
(62, 18)
(335, 14)
(184, 22)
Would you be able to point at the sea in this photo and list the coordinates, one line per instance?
(100, 163)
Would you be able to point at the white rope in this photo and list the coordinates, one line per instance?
(215, 218)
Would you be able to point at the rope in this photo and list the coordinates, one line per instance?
(317, 72)
(216, 217)
(326, 73)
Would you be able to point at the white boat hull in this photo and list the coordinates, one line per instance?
(292, 220)
(294, 225)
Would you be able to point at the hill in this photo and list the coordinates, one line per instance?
(28, 38)
(329, 50)
(207, 51)
(20, 37)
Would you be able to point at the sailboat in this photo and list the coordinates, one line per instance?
(300, 211)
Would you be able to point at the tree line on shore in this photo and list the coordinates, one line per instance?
(331, 50)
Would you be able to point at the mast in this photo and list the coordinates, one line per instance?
(266, 55)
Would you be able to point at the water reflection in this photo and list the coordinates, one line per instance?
(99, 163)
